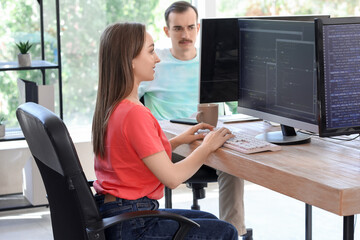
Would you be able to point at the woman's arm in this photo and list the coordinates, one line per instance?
(189, 135)
(173, 174)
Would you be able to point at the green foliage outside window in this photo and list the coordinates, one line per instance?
(335, 8)
(82, 22)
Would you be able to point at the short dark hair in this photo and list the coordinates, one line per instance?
(179, 7)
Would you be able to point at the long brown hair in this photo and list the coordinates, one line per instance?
(120, 43)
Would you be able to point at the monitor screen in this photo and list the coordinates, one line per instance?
(338, 57)
(219, 47)
(218, 60)
(277, 76)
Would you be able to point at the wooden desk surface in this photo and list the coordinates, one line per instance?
(324, 173)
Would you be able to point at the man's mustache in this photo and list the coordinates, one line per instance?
(185, 40)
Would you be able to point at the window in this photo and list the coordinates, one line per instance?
(82, 22)
(335, 8)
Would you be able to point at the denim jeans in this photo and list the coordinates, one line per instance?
(154, 228)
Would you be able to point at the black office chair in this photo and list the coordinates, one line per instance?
(74, 212)
(198, 182)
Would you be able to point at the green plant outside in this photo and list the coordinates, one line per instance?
(24, 47)
(2, 120)
(82, 23)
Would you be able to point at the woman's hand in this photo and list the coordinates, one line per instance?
(175, 173)
(190, 135)
(215, 139)
(212, 139)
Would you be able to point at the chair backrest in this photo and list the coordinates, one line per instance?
(71, 201)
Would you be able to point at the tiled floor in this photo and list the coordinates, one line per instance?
(271, 215)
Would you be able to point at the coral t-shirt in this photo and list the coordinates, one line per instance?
(132, 134)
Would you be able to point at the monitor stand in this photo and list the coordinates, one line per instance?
(286, 136)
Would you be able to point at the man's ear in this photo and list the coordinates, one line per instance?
(198, 27)
(166, 30)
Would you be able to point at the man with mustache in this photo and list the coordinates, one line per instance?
(174, 93)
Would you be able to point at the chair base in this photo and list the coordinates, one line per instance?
(198, 190)
(198, 182)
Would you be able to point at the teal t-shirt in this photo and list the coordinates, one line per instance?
(174, 92)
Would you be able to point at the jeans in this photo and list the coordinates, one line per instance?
(231, 198)
(154, 228)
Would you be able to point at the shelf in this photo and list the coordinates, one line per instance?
(12, 134)
(41, 64)
(15, 201)
(35, 64)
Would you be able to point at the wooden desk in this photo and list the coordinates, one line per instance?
(323, 173)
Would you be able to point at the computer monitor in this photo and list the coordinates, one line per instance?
(219, 60)
(277, 76)
(338, 59)
(219, 46)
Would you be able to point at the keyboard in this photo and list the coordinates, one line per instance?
(248, 144)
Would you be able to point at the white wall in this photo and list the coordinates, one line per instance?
(14, 155)
(206, 8)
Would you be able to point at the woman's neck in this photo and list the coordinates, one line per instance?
(134, 96)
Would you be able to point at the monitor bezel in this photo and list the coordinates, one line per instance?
(283, 120)
(200, 100)
(310, 17)
(323, 130)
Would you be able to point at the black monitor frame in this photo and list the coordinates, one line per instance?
(210, 35)
(213, 95)
(324, 130)
(255, 103)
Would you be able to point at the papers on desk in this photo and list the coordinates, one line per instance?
(237, 118)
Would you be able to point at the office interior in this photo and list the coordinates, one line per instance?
(267, 212)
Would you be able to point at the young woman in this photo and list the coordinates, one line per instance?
(132, 154)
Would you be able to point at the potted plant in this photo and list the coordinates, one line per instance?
(2, 126)
(24, 57)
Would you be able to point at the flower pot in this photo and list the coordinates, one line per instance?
(2, 130)
(24, 60)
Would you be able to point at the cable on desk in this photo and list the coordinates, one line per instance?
(345, 139)
(335, 138)
(307, 132)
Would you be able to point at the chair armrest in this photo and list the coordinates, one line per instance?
(90, 182)
(185, 224)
